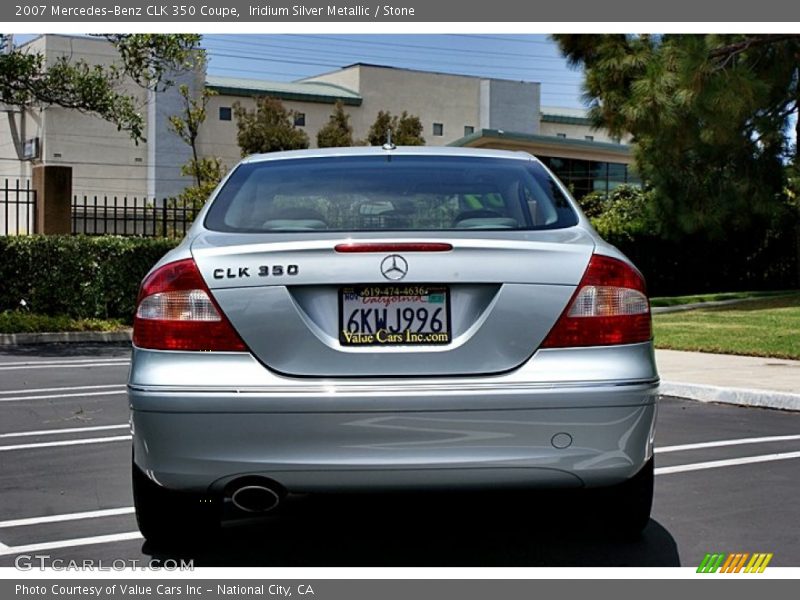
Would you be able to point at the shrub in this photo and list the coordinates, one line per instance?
(592, 204)
(77, 276)
(624, 214)
(22, 322)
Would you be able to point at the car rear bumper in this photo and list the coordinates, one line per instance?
(312, 435)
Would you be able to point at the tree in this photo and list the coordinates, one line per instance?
(27, 81)
(151, 59)
(206, 172)
(378, 131)
(406, 130)
(187, 124)
(709, 116)
(268, 128)
(209, 170)
(337, 132)
(409, 131)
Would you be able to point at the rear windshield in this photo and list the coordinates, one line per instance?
(395, 193)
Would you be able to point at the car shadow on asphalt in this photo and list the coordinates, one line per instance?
(428, 530)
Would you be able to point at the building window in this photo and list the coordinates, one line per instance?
(589, 138)
(469, 130)
(561, 135)
(224, 113)
(438, 129)
(582, 177)
(299, 119)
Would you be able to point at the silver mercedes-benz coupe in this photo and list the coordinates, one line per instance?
(389, 319)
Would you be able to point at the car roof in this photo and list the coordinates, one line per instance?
(397, 151)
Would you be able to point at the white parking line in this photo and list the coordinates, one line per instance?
(720, 443)
(91, 514)
(98, 539)
(62, 430)
(63, 361)
(102, 440)
(67, 366)
(132, 535)
(62, 389)
(59, 361)
(51, 396)
(731, 462)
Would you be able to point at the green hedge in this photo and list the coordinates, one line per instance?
(761, 257)
(18, 321)
(77, 276)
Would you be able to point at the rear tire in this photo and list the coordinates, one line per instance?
(626, 507)
(170, 518)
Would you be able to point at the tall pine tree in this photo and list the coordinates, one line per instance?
(709, 115)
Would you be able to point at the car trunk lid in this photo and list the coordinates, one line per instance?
(283, 294)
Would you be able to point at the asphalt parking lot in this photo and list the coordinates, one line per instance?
(727, 481)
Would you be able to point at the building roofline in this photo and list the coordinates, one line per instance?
(33, 39)
(348, 97)
(377, 66)
(73, 36)
(500, 134)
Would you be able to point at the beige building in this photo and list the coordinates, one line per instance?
(104, 160)
(449, 106)
(454, 109)
(572, 124)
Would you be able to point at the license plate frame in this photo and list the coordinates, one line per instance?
(394, 298)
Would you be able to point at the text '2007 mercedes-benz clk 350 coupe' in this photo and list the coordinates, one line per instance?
(389, 319)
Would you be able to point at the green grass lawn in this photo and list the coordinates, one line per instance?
(768, 327)
(22, 322)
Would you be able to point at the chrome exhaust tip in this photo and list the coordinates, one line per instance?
(255, 498)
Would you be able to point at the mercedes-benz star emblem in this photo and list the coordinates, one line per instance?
(394, 267)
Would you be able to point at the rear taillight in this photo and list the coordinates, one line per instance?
(609, 307)
(175, 311)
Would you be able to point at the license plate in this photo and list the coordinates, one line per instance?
(404, 315)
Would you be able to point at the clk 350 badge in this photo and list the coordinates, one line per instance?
(263, 271)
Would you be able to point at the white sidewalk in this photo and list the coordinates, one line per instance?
(747, 380)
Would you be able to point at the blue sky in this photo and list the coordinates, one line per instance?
(290, 57)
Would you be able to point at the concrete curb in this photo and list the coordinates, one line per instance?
(728, 395)
(65, 337)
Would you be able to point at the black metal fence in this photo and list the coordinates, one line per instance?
(114, 215)
(17, 207)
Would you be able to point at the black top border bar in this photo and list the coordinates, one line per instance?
(398, 11)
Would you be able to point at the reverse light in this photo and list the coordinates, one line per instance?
(175, 311)
(610, 306)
